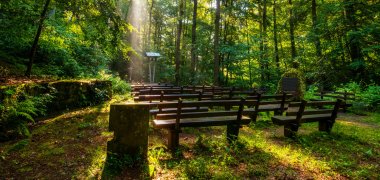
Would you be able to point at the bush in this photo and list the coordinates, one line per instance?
(370, 98)
(119, 86)
(367, 98)
(18, 110)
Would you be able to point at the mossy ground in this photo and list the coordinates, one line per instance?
(73, 145)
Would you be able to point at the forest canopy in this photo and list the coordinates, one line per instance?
(246, 43)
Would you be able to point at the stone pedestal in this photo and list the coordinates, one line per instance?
(130, 124)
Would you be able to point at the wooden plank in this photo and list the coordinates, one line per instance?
(339, 97)
(310, 112)
(174, 110)
(170, 97)
(206, 103)
(312, 103)
(183, 115)
(282, 120)
(200, 122)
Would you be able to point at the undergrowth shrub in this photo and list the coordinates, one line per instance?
(119, 86)
(18, 110)
(366, 98)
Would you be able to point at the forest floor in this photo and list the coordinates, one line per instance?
(73, 145)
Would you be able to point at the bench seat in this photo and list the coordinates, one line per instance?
(200, 122)
(282, 120)
(271, 107)
(297, 115)
(174, 110)
(230, 117)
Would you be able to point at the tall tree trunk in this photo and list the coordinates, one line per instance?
(194, 41)
(178, 43)
(150, 26)
(36, 38)
(353, 41)
(276, 57)
(317, 41)
(291, 29)
(263, 43)
(216, 43)
(249, 57)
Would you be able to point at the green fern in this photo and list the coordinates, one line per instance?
(15, 114)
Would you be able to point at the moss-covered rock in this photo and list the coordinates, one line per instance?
(301, 87)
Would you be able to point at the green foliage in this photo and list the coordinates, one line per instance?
(119, 86)
(367, 98)
(197, 169)
(18, 110)
(78, 38)
(294, 73)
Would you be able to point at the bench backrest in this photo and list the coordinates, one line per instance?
(222, 103)
(345, 96)
(171, 97)
(303, 104)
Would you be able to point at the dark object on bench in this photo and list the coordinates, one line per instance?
(233, 119)
(293, 120)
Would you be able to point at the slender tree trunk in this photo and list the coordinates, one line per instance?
(178, 43)
(291, 29)
(216, 43)
(277, 58)
(36, 38)
(317, 41)
(263, 46)
(353, 42)
(265, 54)
(184, 33)
(249, 57)
(194, 40)
(355, 50)
(150, 26)
(261, 63)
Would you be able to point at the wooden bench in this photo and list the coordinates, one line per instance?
(170, 97)
(233, 119)
(165, 91)
(173, 97)
(345, 96)
(293, 119)
(277, 103)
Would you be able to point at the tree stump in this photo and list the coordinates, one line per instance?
(130, 123)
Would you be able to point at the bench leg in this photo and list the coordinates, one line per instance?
(253, 117)
(232, 132)
(325, 126)
(290, 130)
(173, 139)
(277, 113)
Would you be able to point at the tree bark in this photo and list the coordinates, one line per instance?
(353, 42)
(194, 40)
(276, 57)
(178, 43)
(263, 44)
(216, 43)
(150, 25)
(317, 41)
(36, 38)
(291, 29)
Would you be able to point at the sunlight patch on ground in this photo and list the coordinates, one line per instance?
(288, 155)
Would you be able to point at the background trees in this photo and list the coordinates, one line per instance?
(78, 38)
(231, 42)
(257, 40)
